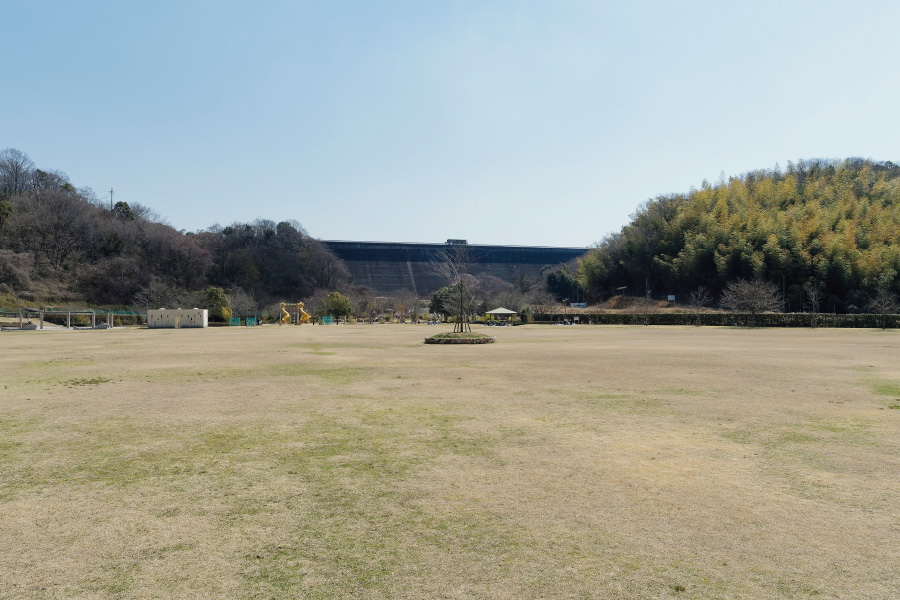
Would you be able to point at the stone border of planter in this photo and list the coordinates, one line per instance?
(484, 340)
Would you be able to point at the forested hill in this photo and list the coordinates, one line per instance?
(61, 245)
(834, 224)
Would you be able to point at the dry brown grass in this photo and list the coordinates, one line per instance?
(355, 461)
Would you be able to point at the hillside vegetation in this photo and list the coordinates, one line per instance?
(60, 244)
(829, 228)
(832, 225)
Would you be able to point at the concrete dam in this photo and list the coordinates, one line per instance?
(389, 267)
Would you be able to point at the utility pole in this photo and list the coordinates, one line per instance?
(110, 199)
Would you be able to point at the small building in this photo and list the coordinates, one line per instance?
(177, 318)
(501, 315)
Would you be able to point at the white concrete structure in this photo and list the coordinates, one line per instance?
(177, 318)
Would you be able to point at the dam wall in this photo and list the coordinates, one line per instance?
(389, 267)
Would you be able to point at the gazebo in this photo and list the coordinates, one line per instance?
(502, 314)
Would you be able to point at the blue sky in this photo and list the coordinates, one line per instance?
(531, 123)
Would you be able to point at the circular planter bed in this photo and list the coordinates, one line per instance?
(461, 338)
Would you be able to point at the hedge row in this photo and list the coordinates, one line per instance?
(726, 319)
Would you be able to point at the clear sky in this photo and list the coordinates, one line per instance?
(530, 123)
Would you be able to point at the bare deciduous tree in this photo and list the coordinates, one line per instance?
(512, 299)
(15, 171)
(407, 304)
(883, 304)
(316, 304)
(142, 212)
(454, 263)
(242, 304)
(50, 224)
(326, 270)
(15, 269)
(156, 294)
(699, 298)
(361, 297)
(543, 302)
(813, 292)
(49, 180)
(752, 297)
(492, 292)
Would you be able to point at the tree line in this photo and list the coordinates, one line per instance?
(61, 244)
(820, 235)
(827, 230)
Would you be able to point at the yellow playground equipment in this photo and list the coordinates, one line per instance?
(299, 315)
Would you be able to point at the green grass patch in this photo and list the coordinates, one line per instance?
(86, 381)
(798, 454)
(56, 363)
(887, 388)
(338, 375)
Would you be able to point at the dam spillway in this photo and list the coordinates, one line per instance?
(389, 267)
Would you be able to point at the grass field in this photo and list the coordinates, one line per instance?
(357, 462)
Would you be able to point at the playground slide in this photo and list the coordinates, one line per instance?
(302, 315)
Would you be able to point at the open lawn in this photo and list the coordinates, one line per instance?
(357, 462)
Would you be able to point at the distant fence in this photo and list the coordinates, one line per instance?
(74, 317)
(725, 319)
(247, 321)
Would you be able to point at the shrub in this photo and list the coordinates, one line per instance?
(728, 319)
(337, 305)
(216, 301)
(619, 302)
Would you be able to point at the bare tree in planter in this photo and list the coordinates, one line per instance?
(752, 297)
(454, 263)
